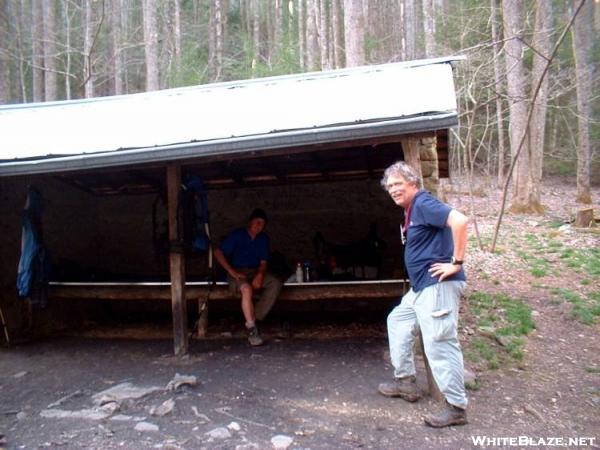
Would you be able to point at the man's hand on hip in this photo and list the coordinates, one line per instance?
(443, 270)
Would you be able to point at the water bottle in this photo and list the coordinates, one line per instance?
(307, 274)
(299, 273)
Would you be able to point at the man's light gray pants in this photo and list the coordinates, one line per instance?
(435, 311)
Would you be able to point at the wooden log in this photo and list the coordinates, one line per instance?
(585, 218)
(177, 264)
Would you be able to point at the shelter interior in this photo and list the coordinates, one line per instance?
(103, 225)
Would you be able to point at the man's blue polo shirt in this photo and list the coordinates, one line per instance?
(428, 240)
(244, 252)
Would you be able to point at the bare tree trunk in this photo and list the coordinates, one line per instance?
(323, 34)
(17, 18)
(542, 49)
(500, 88)
(256, 31)
(49, 32)
(278, 28)
(177, 35)
(5, 95)
(522, 196)
(582, 42)
(219, 37)
(88, 69)
(215, 39)
(410, 30)
(151, 45)
(117, 76)
(338, 44)
(312, 45)
(429, 28)
(301, 35)
(597, 16)
(37, 57)
(354, 33)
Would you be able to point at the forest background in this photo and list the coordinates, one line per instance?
(528, 91)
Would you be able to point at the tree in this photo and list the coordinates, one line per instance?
(215, 40)
(312, 43)
(429, 27)
(354, 33)
(89, 76)
(499, 91)
(523, 197)
(410, 30)
(49, 50)
(4, 51)
(582, 42)
(117, 58)
(151, 45)
(37, 49)
(323, 34)
(338, 44)
(541, 54)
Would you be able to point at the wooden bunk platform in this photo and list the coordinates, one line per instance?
(370, 289)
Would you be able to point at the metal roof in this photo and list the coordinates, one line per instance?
(227, 118)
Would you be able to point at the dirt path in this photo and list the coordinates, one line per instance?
(316, 389)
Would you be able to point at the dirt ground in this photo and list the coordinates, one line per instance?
(313, 386)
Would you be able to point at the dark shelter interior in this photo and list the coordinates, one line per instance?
(325, 206)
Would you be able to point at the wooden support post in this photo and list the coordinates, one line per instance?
(177, 264)
(412, 156)
(434, 390)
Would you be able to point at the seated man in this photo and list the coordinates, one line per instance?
(244, 254)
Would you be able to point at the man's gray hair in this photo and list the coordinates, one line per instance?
(400, 168)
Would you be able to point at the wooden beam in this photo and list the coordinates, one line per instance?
(176, 263)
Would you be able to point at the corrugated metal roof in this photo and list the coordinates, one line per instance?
(227, 118)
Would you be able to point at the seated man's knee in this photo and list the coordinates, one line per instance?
(246, 289)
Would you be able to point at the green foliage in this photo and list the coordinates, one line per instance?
(481, 349)
(584, 309)
(587, 260)
(506, 320)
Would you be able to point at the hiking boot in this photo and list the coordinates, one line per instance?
(254, 337)
(406, 388)
(449, 415)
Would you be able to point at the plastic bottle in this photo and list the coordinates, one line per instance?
(307, 274)
(299, 273)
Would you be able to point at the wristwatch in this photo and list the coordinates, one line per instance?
(456, 262)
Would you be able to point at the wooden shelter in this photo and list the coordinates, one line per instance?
(263, 136)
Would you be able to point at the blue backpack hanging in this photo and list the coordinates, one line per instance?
(194, 202)
(34, 265)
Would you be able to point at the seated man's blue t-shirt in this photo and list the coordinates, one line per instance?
(244, 252)
(428, 240)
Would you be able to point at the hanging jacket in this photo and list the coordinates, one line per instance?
(34, 264)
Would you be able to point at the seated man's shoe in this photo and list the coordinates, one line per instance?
(405, 388)
(448, 416)
(254, 337)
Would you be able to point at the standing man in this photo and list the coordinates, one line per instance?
(244, 254)
(435, 243)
